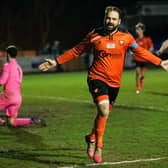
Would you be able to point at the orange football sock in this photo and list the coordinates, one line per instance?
(101, 124)
(138, 86)
(142, 82)
(110, 107)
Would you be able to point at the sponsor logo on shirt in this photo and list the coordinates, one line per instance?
(103, 53)
(110, 45)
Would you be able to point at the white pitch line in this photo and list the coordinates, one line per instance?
(125, 162)
(90, 102)
(73, 166)
(117, 163)
(60, 98)
(66, 167)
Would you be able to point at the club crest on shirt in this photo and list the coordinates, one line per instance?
(121, 42)
(110, 45)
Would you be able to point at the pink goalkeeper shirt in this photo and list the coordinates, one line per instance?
(11, 77)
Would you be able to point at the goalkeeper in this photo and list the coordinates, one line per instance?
(11, 98)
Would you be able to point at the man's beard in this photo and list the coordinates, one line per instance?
(110, 30)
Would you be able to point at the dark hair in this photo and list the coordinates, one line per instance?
(114, 8)
(12, 51)
(141, 25)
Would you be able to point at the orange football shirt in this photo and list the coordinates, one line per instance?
(145, 42)
(109, 54)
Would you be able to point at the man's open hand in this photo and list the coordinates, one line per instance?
(48, 64)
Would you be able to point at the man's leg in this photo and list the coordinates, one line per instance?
(103, 96)
(105, 105)
(12, 113)
(96, 135)
(103, 112)
(143, 70)
(138, 80)
(97, 88)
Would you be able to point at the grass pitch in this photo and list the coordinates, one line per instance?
(137, 127)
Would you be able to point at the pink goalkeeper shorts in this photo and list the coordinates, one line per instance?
(11, 103)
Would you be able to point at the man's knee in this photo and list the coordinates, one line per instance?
(11, 121)
(103, 109)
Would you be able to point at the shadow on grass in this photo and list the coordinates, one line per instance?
(40, 157)
(41, 153)
(22, 136)
(158, 93)
(38, 151)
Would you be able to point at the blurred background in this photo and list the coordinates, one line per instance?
(47, 28)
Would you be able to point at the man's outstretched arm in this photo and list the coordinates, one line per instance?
(150, 57)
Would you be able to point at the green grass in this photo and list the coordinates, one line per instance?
(63, 100)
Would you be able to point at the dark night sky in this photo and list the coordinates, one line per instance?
(80, 17)
(24, 22)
